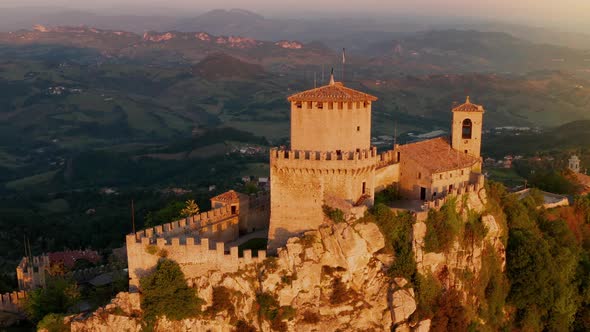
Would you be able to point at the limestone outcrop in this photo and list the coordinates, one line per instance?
(333, 277)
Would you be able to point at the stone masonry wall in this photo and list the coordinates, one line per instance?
(195, 258)
(208, 223)
(345, 126)
(179, 240)
(300, 181)
(31, 273)
(11, 302)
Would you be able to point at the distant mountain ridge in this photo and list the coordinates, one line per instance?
(354, 31)
(171, 46)
(470, 50)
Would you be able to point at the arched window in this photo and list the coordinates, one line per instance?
(467, 128)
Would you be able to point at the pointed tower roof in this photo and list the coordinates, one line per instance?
(334, 91)
(468, 107)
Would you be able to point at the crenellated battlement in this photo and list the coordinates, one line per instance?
(386, 158)
(282, 154)
(319, 162)
(195, 255)
(469, 189)
(12, 302)
(189, 224)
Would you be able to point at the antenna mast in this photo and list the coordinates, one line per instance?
(343, 62)
(395, 134)
(133, 216)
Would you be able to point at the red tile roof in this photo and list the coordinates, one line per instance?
(70, 257)
(468, 107)
(437, 156)
(335, 92)
(227, 197)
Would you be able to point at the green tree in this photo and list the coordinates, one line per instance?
(168, 213)
(190, 208)
(442, 227)
(397, 229)
(530, 268)
(53, 323)
(165, 293)
(57, 297)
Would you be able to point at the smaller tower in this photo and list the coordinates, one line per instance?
(467, 128)
(574, 164)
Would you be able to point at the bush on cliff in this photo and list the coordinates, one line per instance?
(334, 214)
(53, 323)
(442, 227)
(57, 297)
(388, 195)
(428, 290)
(222, 301)
(397, 231)
(165, 293)
(270, 310)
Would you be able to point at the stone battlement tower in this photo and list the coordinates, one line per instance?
(330, 156)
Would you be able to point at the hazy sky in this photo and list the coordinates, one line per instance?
(569, 13)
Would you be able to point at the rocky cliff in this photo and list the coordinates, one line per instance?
(333, 278)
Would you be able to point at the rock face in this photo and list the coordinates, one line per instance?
(458, 258)
(334, 277)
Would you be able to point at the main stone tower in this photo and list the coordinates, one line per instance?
(467, 128)
(330, 158)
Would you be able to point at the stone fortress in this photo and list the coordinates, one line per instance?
(330, 162)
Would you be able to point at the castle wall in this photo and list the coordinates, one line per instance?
(336, 126)
(254, 212)
(300, 181)
(387, 170)
(473, 191)
(31, 274)
(208, 223)
(12, 302)
(195, 257)
(216, 226)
